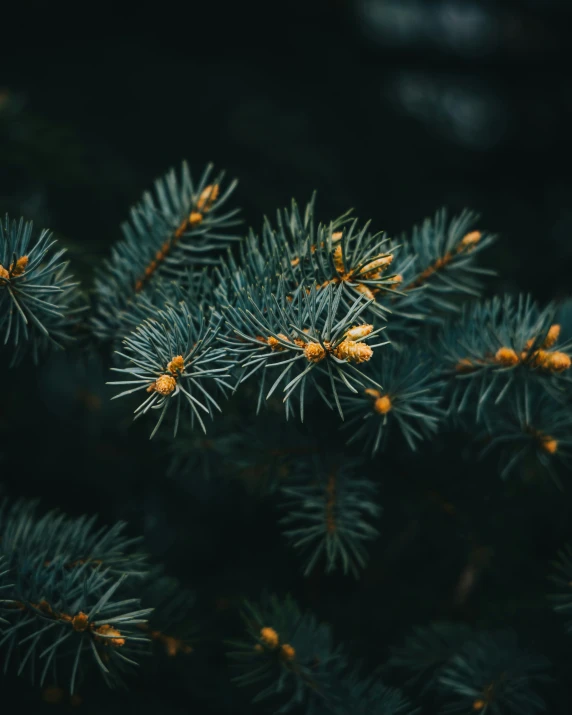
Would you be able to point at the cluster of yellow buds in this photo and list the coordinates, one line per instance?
(80, 623)
(544, 358)
(549, 360)
(166, 384)
(271, 640)
(372, 270)
(350, 349)
(16, 269)
(553, 361)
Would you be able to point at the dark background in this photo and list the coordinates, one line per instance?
(393, 107)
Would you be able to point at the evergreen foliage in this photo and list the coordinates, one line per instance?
(237, 345)
(331, 512)
(40, 306)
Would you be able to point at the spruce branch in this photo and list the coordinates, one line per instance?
(529, 425)
(330, 513)
(174, 358)
(183, 225)
(65, 599)
(409, 400)
(312, 335)
(40, 304)
(436, 269)
(496, 346)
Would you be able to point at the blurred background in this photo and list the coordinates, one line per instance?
(394, 107)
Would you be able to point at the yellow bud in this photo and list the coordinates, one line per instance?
(382, 405)
(380, 263)
(269, 637)
(549, 444)
(337, 236)
(20, 266)
(353, 352)
(288, 651)
(207, 198)
(506, 357)
(195, 218)
(552, 336)
(556, 362)
(176, 365)
(275, 344)
(370, 392)
(165, 384)
(359, 331)
(314, 352)
(80, 622)
(338, 259)
(105, 631)
(471, 238)
(364, 290)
